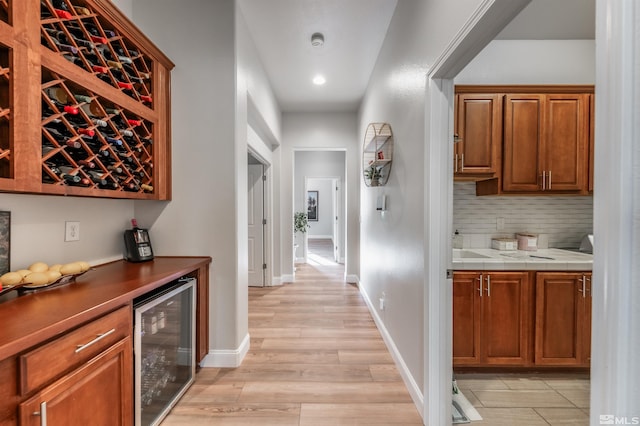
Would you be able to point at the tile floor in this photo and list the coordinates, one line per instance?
(528, 399)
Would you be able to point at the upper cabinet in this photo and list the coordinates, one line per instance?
(477, 136)
(544, 142)
(84, 102)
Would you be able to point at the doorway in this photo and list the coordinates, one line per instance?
(257, 264)
(319, 179)
(323, 213)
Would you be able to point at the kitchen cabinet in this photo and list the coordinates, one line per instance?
(477, 136)
(491, 318)
(98, 393)
(546, 143)
(563, 318)
(84, 103)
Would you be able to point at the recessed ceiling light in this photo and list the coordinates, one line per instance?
(319, 80)
(317, 39)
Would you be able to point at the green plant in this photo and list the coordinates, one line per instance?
(372, 172)
(300, 222)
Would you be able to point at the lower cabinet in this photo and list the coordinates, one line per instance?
(492, 318)
(521, 319)
(98, 393)
(563, 318)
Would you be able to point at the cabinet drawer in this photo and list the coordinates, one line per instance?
(39, 366)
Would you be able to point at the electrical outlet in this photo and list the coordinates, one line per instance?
(500, 223)
(381, 304)
(72, 231)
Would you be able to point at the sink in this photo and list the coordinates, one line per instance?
(468, 254)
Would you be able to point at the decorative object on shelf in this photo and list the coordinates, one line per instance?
(300, 222)
(377, 154)
(5, 242)
(312, 205)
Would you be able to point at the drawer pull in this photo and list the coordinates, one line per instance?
(42, 413)
(97, 339)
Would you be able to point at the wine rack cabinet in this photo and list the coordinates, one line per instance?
(84, 102)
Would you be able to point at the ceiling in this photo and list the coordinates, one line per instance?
(354, 31)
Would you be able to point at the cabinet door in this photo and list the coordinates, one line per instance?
(523, 132)
(565, 142)
(466, 318)
(505, 319)
(479, 131)
(98, 393)
(562, 325)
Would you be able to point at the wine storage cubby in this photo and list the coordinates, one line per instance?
(5, 113)
(90, 95)
(4, 10)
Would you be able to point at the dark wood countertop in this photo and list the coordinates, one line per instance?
(35, 317)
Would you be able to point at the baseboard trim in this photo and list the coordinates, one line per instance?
(414, 390)
(227, 358)
(287, 278)
(352, 278)
(276, 281)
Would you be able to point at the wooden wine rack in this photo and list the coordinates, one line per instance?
(84, 102)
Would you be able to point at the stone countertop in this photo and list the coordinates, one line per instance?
(542, 260)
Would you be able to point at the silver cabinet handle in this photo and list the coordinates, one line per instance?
(583, 290)
(97, 339)
(544, 180)
(549, 180)
(480, 288)
(42, 413)
(488, 285)
(455, 164)
(588, 289)
(462, 162)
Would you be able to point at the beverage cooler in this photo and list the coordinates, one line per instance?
(164, 349)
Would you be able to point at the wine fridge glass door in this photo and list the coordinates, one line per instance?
(164, 351)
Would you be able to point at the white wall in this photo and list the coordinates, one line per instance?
(320, 131)
(392, 258)
(532, 62)
(323, 227)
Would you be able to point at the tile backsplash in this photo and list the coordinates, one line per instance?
(563, 221)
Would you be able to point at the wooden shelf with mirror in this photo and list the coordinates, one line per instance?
(377, 154)
(84, 102)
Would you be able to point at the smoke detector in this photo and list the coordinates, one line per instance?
(317, 40)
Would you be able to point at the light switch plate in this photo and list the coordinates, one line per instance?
(72, 231)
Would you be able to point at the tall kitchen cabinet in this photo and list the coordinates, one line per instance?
(546, 142)
(492, 318)
(563, 318)
(477, 136)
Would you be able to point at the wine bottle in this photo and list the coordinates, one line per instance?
(65, 177)
(97, 177)
(79, 32)
(93, 29)
(60, 9)
(93, 112)
(63, 138)
(131, 70)
(63, 39)
(96, 63)
(70, 171)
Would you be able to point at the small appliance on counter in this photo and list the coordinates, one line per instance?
(137, 244)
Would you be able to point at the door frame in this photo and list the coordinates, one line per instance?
(267, 209)
(488, 20)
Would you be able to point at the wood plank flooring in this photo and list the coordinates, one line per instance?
(316, 358)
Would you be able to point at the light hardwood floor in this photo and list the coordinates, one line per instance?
(316, 358)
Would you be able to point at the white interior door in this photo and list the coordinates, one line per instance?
(256, 225)
(336, 215)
